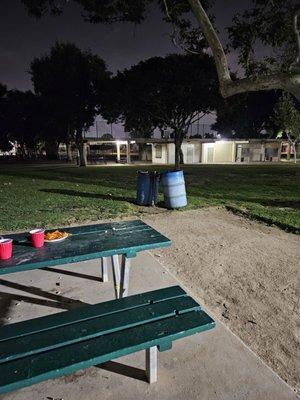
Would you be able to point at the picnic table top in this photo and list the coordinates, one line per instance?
(85, 243)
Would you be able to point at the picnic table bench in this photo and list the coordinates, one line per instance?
(52, 346)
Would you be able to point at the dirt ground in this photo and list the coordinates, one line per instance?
(246, 273)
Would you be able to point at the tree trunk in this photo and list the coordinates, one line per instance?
(288, 154)
(279, 152)
(178, 152)
(82, 149)
(295, 153)
(128, 153)
(69, 152)
(181, 156)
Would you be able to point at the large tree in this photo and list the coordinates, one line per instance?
(247, 115)
(69, 82)
(274, 23)
(170, 92)
(5, 144)
(22, 120)
(117, 106)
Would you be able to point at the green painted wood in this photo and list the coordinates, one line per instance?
(68, 359)
(84, 229)
(86, 243)
(66, 335)
(23, 328)
(164, 346)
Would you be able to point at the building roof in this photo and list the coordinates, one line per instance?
(188, 140)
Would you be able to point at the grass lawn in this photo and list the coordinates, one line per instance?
(32, 195)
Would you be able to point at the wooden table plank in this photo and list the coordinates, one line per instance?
(86, 243)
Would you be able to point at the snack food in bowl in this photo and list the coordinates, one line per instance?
(56, 235)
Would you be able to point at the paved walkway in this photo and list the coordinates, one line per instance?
(213, 365)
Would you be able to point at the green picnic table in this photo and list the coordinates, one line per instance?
(99, 241)
(54, 345)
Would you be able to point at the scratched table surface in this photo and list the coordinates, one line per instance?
(85, 243)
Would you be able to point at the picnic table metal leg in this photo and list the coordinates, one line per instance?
(151, 364)
(116, 275)
(126, 262)
(121, 281)
(104, 269)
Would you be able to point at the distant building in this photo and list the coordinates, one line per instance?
(195, 151)
(287, 150)
(214, 151)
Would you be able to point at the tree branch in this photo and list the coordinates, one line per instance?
(197, 117)
(213, 41)
(165, 121)
(287, 81)
(174, 32)
(296, 64)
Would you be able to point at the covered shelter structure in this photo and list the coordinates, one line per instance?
(195, 150)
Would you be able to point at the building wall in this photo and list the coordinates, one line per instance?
(218, 152)
(206, 148)
(224, 152)
(191, 152)
(256, 152)
(287, 151)
(242, 151)
(272, 151)
(171, 153)
(198, 152)
(160, 153)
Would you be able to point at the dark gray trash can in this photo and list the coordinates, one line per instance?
(147, 188)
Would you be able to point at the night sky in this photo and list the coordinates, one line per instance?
(120, 45)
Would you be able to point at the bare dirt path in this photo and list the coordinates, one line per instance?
(246, 273)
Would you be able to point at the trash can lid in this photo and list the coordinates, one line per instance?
(173, 173)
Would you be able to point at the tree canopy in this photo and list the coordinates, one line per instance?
(273, 23)
(20, 120)
(246, 115)
(170, 92)
(5, 144)
(69, 82)
(269, 23)
(287, 114)
(24, 119)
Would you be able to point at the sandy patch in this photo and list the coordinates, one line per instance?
(246, 273)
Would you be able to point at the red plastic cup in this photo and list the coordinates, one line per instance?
(6, 246)
(37, 237)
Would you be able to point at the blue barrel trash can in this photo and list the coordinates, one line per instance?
(174, 189)
(147, 188)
